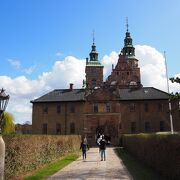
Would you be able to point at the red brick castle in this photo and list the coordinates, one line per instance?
(119, 105)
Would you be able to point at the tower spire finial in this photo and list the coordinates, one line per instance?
(93, 34)
(127, 25)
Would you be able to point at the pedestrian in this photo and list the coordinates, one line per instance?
(102, 148)
(99, 138)
(84, 148)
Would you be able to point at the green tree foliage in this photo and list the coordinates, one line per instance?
(177, 94)
(177, 80)
(8, 125)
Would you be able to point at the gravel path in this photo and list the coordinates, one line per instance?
(93, 168)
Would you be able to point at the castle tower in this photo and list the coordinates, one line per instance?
(126, 72)
(94, 69)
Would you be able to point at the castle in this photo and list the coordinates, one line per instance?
(119, 105)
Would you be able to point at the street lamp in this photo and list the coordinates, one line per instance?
(3, 104)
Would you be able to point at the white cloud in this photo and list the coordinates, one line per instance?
(14, 63)
(153, 70)
(30, 69)
(72, 70)
(17, 65)
(152, 64)
(108, 61)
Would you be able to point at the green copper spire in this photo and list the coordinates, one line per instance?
(128, 49)
(93, 61)
(93, 54)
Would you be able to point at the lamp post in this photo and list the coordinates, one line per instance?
(3, 104)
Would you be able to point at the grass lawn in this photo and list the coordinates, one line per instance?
(138, 170)
(52, 168)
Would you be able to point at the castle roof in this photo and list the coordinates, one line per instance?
(145, 93)
(59, 95)
(75, 95)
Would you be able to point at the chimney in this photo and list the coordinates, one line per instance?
(86, 61)
(71, 86)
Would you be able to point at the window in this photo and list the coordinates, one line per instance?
(161, 126)
(72, 108)
(93, 83)
(133, 127)
(132, 107)
(72, 128)
(108, 107)
(58, 128)
(58, 108)
(160, 107)
(146, 107)
(147, 127)
(45, 110)
(44, 128)
(96, 107)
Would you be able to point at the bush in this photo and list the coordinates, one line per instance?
(159, 151)
(8, 126)
(26, 153)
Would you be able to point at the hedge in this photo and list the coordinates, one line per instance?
(159, 151)
(26, 153)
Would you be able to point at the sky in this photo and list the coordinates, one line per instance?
(44, 43)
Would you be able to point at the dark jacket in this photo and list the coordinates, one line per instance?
(102, 145)
(84, 146)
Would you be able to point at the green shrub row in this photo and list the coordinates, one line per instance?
(159, 151)
(26, 153)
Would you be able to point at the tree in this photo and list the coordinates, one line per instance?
(177, 94)
(177, 80)
(8, 125)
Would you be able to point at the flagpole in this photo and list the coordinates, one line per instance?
(169, 101)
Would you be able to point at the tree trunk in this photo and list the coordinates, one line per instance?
(2, 157)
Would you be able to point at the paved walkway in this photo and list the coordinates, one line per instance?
(93, 168)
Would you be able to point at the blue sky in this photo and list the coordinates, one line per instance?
(37, 34)
(33, 31)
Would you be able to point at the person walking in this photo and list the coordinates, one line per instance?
(84, 148)
(102, 148)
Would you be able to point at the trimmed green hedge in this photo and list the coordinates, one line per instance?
(159, 151)
(26, 153)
